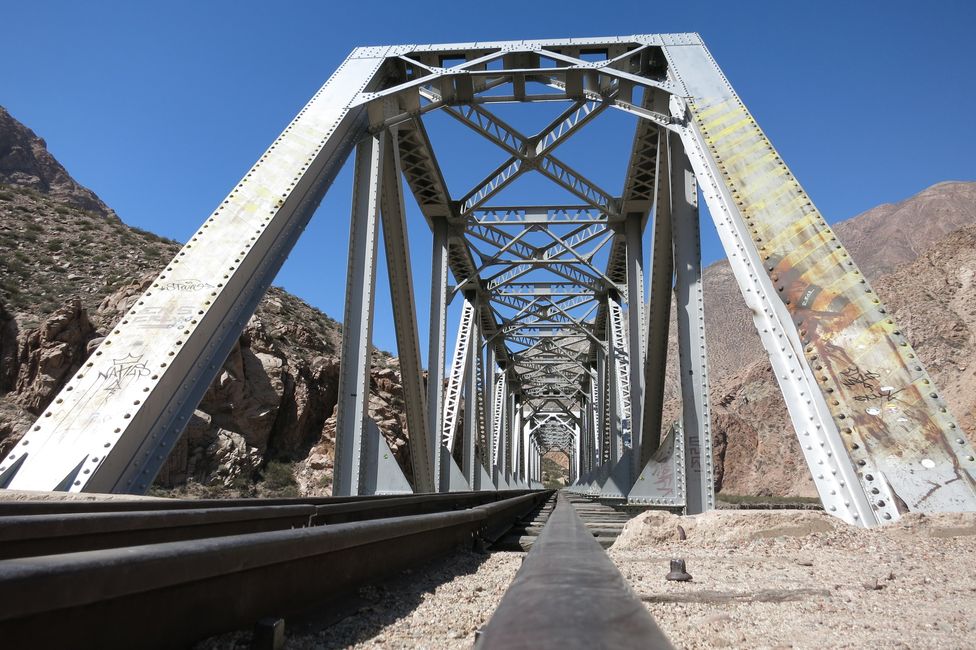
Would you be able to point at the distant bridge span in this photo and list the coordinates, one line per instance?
(557, 347)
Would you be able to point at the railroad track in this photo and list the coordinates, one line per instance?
(569, 594)
(603, 520)
(161, 574)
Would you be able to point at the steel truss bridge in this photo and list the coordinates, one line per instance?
(559, 346)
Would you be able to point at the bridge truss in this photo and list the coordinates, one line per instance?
(557, 348)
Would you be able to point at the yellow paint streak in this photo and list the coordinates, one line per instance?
(722, 119)
(724, 133)
(781, 239)
(758, 143)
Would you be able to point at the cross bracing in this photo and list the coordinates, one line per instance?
(560, 345)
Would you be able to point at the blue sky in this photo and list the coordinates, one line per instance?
(161, 107)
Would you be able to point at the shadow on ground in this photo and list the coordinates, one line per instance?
(360, 616)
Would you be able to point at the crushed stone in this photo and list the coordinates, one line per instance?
(440, 605)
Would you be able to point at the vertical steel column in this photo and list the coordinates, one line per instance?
(437, 343)
(603, 389)
(691, 332)
(515, 420)
(614, 443)
(521, 428)
(577, 456)
(498, 424)
(538, 463)
(455, 385)
(516, 454)
(501, 458)
(358, 317)
(659, 319)
(585, 432)
(468, 464)
(581, 419)
(594, 417)
(398, 267)
(635, 330)
(537, 458)
(488, 399)
(531, 465)
(618, 410)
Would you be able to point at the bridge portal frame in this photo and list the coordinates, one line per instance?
(875, 433)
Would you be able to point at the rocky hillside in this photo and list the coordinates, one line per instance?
(920, 256)
(70, 268)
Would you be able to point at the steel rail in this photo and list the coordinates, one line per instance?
(44, 507)
(47, 534)
(569, 594)
(171, 594)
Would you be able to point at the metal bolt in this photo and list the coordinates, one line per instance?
(269, 634)
(678, 573)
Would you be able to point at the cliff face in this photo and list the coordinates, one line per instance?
(70, 268)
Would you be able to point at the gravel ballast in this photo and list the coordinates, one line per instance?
(439, 605)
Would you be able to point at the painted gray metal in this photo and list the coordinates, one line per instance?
(635, 333)
(380, 472)
(692, 360)
(395, 240)
(469, 438)
(437, 334)
(113, 425)
(352, 415)
(662, 480)
(659, 304)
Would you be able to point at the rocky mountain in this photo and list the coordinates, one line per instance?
(69, 268)
(26, 162)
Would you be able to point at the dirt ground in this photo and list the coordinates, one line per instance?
(801, 579)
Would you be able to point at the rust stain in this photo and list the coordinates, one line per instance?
(877, 397)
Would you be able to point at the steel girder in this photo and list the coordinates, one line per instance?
(875, 431)
(455, 382)
(423, 437)
(659, 305)
(437, 340)
(353, 399)
(114, 423)
(692, 360)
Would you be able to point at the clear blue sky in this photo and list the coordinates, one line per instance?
(161, 107)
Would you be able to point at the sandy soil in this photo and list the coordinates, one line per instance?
(800, 579)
